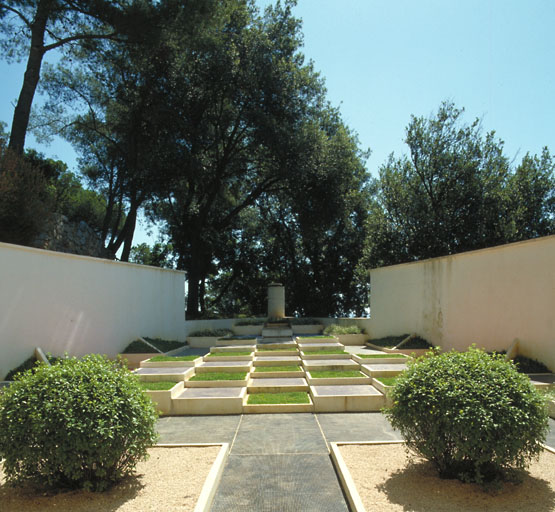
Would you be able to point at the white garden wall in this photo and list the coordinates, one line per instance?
(489, 297)
(63, 302)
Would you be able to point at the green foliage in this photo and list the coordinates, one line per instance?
(292, 397)
(161, 385)
(224, 354)
(323, 351)
(157, 359)
(251, 321)
(79, 423)
(211, 333)
(388, 341)
(159, 255)
(263, 369)
(337, 330)
(528, 365)
(209, 376)
(388, 381)
(25, 199)
(304, 321)
(275, 349)
(471, 414)
(335, 374)
(138, 347)
(25, 365)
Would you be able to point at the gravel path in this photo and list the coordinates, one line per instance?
(170, 480)
(386, 483)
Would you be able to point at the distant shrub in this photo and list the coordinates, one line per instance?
(25, 365)
(211, 333)
(528, 365)
(81, 423)
(250, 321)
(416, 342)
(305, 321)
(335, 329)
(165, 345)
(388, 341)
(471, 414)
(138, 347)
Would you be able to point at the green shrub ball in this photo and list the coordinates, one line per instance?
(81, 423)
(471, 414)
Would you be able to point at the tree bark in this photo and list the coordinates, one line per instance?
(22, 110)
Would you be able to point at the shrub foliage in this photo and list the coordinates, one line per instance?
(81, 423)
(471, 414)
(335, 329)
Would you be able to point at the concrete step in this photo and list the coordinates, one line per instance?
(311, 356)
(346, 398)
(306, 347)
(277, 361)
(339, 381)
(272, 332)
(276, 408)
(222, 342)
(224, 366)
(277, 385)
(209, 401)
(383, 370)
(233, 348)
(330, 364)
(161, 374)
(316, 339)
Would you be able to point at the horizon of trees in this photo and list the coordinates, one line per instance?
(213, 126)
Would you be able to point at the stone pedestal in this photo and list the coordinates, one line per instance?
(276, 300)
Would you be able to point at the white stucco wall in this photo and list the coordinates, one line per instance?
(488, 297)
(63, 302)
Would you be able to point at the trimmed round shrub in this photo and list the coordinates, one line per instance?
(81, 423)
(471, 414)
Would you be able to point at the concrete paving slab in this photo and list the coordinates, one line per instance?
(284, 483)
(550, 441)
(210, 393)
(358, 426)
(349, 390)
(289, 359)
(162, 371)
(209, 364)
(291, 381)
(330, 364)
(265, 434)
(197, 429)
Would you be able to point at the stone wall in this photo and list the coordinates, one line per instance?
(62, 235)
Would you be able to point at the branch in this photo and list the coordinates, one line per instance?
(17, 13)
(81, 37)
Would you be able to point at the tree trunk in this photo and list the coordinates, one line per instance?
(22, 110)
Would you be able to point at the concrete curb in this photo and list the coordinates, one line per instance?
(212, 481)
(347, 482)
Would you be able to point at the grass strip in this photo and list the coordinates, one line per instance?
(229, 353)
(162, 385)
(293, 397)
(315, 337)
(261, 369)
(158, 359)
(388, 381)
(380, 356)
(335, 374)
(273, 349)
(219, 376)
(324, 352)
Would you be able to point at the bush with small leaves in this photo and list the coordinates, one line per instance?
(471, 414)
(81, 423)
(338, 330)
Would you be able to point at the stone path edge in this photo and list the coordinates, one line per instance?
(212, 481)
(345, 479)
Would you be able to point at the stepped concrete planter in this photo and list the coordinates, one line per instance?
(276, 408)
(171, 364)
(163, 399)
(230, 342)
(248, 330)
(337, 381)
(308, 329)
(160, 374)
(261, 353)
(310, 355)
(202, 401)
(384, 389)
(202, 341)
(234, 348)
(277, 385)
(134, 360)
(383, 370)
(216, 383)
(380, 360)
(343, 398)
(415, 352)
(228, 357)
(306, 340)
(352, 339)
(276, 375)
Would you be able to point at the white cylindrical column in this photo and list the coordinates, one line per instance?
(276, 300)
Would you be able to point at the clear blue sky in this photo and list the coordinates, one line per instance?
(384, 60)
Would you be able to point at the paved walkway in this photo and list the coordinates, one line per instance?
(278, 462)
(281, 462)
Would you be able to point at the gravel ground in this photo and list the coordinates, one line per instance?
(386, 483)
(170, 480)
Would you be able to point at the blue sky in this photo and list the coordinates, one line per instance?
(385, 60)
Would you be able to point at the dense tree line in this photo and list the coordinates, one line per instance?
(204, 116)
